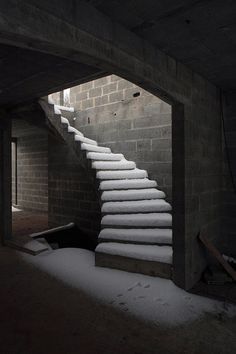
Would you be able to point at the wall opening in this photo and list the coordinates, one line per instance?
(29, 178)
(128, 119)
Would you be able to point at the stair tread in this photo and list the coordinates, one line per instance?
(74, 130)
(82, 139)
(155, 253)
(114, 165)
(99, 156)
(89, 147)
(133, 194)
(122, 174)
(132, 183)
(64, 120)
(137, 206)
(154, 235)
(139, 219)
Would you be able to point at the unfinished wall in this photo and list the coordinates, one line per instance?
(13, 173)
(129, 120)
(229, 176)
(72, 198)
(32, 167)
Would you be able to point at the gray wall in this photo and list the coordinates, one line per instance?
(129, 120)
(72, 198)
(13, 171)
(229, 174)
(32, 167)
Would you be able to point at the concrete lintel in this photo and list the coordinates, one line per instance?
(106, 44)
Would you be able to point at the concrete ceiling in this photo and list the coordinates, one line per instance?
(199, 33)
(26, 74)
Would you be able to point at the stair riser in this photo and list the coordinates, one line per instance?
(134, 211)
(166, 243)
(105, 226)
(151, 268)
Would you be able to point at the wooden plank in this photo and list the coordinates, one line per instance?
(27, 244)
(214, 251)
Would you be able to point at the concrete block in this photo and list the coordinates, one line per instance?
(87, 103)
(102, 81)
(161, 144)
(87, 86)
(100, 101)
(116, 96)
(144, 144)
(107, 89)
(95, 92)
(81, 96)
(124, 84)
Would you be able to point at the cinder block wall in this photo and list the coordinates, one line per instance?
(13, 170)
(129, 120)
(32, 170)
(72, 197)
(229, 176)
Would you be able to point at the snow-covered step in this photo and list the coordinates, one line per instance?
(161, 254)
(132, 194)
(65, 121)
(64, 108)
(137, 206)
(74, 130)
(111, 165)
(82, 139)
(123, 174)
(127, 184)
(57, 111)
(145, 259)
(138, 220)
(144, 236)
(99, 156)
(94, 148)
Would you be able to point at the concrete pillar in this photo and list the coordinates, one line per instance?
(5, 178)
(178, 187)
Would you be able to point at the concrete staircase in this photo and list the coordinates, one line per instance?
(136, 220)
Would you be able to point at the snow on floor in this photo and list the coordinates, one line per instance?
(149, 298)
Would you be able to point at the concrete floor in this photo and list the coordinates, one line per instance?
(39, 314)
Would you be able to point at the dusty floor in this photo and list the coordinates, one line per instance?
(39, 314)
(26, 222)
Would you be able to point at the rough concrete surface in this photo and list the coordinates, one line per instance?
(39, 315)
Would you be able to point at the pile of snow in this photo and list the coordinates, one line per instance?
(13, 209)
(99, 156)
(150, 298)
(137, 206)
(127, 184)
(137, 235)
(124, 174)
(133, 194)
(135, 220)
